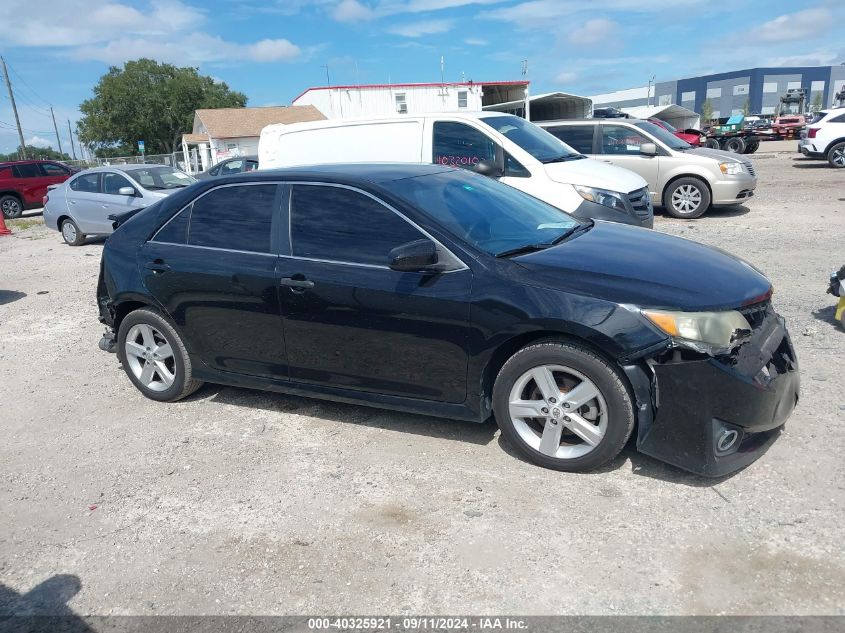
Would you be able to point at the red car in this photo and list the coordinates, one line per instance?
(693, 137)
(23, 184)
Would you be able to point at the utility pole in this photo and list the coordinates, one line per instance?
(14, 108)
(69, 131)
(527, 97)
(55, 127)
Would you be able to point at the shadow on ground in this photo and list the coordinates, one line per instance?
(8, 296)
(826, 314)
(712, 213)
(43, 608)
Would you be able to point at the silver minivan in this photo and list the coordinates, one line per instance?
(82, 205)
(684, 180)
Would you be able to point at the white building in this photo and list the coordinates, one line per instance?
(374, 100)
(222, 133)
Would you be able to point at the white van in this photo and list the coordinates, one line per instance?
(495, 144)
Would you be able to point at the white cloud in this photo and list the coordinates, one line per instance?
(810, 23)
(540, 13)
(816, 58)
(38, 141)
(565, 77)
(272, 50)
(596, 31)
(358, 11)
(473, 41)
(425, 27)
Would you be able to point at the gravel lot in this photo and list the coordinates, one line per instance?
(244, 502)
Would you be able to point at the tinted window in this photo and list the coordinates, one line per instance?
(214, 170)
(175, 231)
(87, 183)
(460, 145)
(51, 169)
(251, 165)
(838, 119)
(6, 172)
(232, 167)
(578, 137)
(113, 182)
(27, 170)
(237, 218)
(342, 225)
(491, 216)
(534, 140)
(156, 178)
(618, 139)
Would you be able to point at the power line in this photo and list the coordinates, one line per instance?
(23, 81)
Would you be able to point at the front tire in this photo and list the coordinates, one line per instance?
(562, 406)
(687, 198)
(154, 357)
(836, 156)
(12, 207)
(71, 233)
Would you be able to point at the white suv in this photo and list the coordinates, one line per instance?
(825, 137)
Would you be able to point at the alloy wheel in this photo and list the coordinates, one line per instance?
(69, 232)
(558, 411)
(11, 208)
(150, 357)
(686, 199)
(838, 157)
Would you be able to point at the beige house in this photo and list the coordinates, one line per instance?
(226, 132)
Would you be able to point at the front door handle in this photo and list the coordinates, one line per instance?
(290, 282)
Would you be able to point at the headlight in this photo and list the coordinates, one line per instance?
(612, 199)
(707, 332)
(731, 169)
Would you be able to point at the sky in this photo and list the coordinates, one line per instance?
(271, 50)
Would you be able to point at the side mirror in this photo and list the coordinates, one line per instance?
(488, 168)
(126, 191)
(648, 149)
(413, 257)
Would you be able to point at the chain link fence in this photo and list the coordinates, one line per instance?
(189, 163)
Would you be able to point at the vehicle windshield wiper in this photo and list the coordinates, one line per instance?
(578, 228)
(563, 159)
(519, 250)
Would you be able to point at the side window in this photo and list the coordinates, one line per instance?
(214, 170)
(113, 182)
(462, 98)
(838, 119)
(460, 145)
(514, 169)
(231, 167)
(5, 172)
(176, 230)
(251, 165)
(236, 218)
(86, 183)
(578, 137)
(51, 169)
(618, 139)
(342, 225)
(27, 170)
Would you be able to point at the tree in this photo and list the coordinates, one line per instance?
(746, 107)
(150, 102)
(817, 102)
(706, 111)
(36, 153)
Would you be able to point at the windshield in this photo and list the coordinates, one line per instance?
(664, 136)
(161, 177)
(491, 216)
(666, 126)
(534, 140)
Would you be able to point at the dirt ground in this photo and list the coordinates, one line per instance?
(236, 501)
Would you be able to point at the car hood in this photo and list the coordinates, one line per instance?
(588, 172)
(632, 265)
(718, 154)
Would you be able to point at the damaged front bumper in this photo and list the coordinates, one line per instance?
(715, 415)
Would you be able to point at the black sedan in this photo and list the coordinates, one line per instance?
(230, 167)
(438, 291)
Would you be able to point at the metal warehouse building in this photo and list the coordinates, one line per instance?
(760, 88)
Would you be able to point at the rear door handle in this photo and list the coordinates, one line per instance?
(290, 282)
(158, 266)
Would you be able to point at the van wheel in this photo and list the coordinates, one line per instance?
(154, 357)
(562, 407)
(687, 198)
(12, 207)
(836, 155)
(71, 233)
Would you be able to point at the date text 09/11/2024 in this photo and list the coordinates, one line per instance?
(410, 623)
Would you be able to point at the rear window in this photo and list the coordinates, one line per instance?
(27, 170)
(234, 218)
(86, 183)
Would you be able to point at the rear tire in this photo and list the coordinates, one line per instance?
(154, 357)
(12, 207)
(71, 233)
(686, 198)
(752, 147)
(735, 145)
(836, 156)
(585, 412)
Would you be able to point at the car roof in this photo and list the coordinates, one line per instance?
(8, 163)
(343, 173)
(126, 168)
